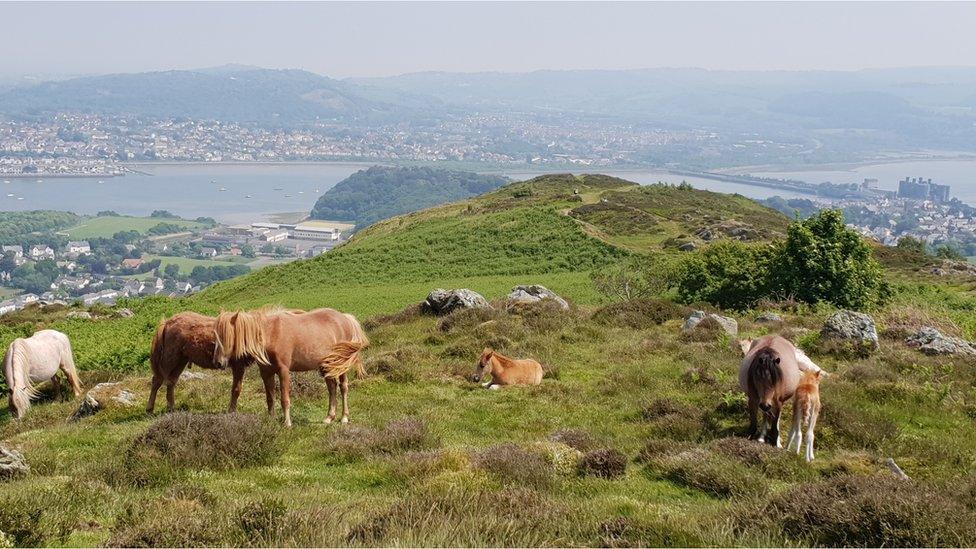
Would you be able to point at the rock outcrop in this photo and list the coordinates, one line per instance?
(769, 318)
(857, 328)
(441, 302)
(933, 342)
(532, 294)
(12, 462)
(730, 325)
(102, 396)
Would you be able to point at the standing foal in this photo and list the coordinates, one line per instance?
(806, 409)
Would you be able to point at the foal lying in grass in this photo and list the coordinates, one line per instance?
(506, 371)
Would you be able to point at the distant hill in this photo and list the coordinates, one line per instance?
(380, 192)
(229, 93)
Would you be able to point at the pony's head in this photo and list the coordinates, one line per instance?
(15, 369)
(239, 336)
(484, 365)
(765, 376)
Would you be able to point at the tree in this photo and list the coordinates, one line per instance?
(247, 250)
(171, 270)
(823, 260)
(731, 275)
(912, 244)
(635, 278)
(163, 213)
(949, 251)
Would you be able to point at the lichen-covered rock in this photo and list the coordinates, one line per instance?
(12, 462)
(533, 293)
(442, 302)
(83, 315)
(933, 342)
(857, 328)
(769, 318)
(102, 396)
(125, 313)
(688, 247)
(730, 325)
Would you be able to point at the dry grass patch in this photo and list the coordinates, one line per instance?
(513, 464)
(640, 314)
(352, 442)
(603, 463)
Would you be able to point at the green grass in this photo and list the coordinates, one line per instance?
(106, 226)
(626, 385)
(187, 264)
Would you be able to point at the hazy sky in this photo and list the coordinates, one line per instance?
(370, 39)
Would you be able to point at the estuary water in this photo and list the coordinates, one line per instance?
(235, 193)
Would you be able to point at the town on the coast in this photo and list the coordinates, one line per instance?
(173, 259)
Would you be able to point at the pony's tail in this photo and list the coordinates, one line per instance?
(156, 350)
(341, 359)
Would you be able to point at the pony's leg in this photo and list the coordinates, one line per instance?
(56, 383)
(344, 387)
(171, 380)
(267, 376)
(796, 431)
(157, 382)
(236, 388)
(772, 436)
(811, 423)
(753, 433)
(494, 386)
(71, 373)
(285, 376)
(332, 384)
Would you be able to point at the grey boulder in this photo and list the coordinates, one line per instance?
(695, 318)
(102, 396)
(857, 328)
(933, 342)
(769, 318)
(534, 293)
(442, 302)
(12, 462)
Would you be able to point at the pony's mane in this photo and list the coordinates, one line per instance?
(764, 367)
(240, 335)
(20, 356)
(277, 310)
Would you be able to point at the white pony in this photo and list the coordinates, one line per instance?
(36, 359)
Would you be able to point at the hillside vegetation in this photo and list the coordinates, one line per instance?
(381, 192)
(634, 437)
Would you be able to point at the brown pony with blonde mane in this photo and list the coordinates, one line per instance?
(282, 341)
(506, 371)
(769, 375)
(183, 339)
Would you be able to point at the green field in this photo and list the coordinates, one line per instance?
(106, 226)
(632, 439)
(187, 264)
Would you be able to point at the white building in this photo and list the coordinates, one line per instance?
(41, 251)
(15, 251)
(276, 235)
(79, 247)
(313, 231)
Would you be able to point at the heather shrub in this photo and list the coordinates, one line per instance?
(871, 511)
(640, 314)
(355, 442)
(217, 441)
(513, 464)
(575, 438)
(168, 523)
(603, 463)
(711, 473)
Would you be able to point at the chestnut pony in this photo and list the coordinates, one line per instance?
(183, 339)
(769, 375)
(283, 341)
(506, 371)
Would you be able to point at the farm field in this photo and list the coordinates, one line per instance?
(634, 437)
(187, 264)
(106, 226)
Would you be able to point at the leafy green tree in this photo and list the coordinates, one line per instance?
(729, 274)
(823, 260)
(171, 270)
(247, 250)
(949, 251)
(912, 244)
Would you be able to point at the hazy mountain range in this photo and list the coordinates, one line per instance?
(930, 107)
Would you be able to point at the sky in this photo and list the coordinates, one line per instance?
(379, 39)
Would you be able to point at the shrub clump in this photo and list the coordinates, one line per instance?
(640, 314)
(468, 318)
(772, 461)
(563, 459)
(575, 438)
(867, 511)
(711, 473)
(356, 442)
(168, 523)
(603, 463)
(218, 441)
(513, 464)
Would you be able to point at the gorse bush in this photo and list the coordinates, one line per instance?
(821, 260)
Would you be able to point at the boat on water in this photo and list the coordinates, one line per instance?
(222, 189)
(40, 181)
(287, 196)
(248, 196)
(20, 198)
(10, 195)
(213, 180)
(301, 192)
(6, 181)
(278, 189)
(100, 182)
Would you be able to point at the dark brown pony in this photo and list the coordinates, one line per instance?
(183, 339)
(768, 375)
(284, 341)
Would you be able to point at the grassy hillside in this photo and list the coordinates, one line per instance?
(633, 438)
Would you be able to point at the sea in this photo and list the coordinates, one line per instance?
(239, 193)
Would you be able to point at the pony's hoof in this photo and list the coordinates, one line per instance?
(345, 419)
(329, 420)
